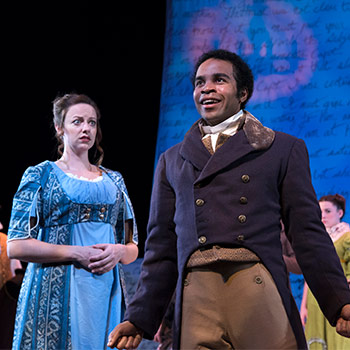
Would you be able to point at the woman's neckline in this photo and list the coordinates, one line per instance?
(79, 177)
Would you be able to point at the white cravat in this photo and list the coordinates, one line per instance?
(228, 127)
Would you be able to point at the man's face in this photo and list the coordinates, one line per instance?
(215, 91)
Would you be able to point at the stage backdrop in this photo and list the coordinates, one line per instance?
(299, 53)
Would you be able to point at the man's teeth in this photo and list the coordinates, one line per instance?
(208, 102)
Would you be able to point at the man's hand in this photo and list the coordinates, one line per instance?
(125, 336)
(343, 323)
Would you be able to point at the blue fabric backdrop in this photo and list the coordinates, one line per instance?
(299, 53)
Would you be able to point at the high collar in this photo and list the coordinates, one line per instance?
(259, 136)
(221, 127)
(251, 136)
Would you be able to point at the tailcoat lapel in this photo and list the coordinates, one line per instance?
(193, 149)
(236, 147)
(252, 136)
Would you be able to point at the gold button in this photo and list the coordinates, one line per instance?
(87, 216)
(240, 238)
(242, 218)
(258, 280)
(243, 200)
(202, 239)
(199, 202)
(245, 178)
(103, 209)
(101, 216)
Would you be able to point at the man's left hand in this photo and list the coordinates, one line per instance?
(343, 323)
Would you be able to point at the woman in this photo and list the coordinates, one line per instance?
(319, 333)
(73, 221)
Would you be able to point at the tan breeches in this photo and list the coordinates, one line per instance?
(233, 305)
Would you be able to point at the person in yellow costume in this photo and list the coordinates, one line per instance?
(318, 332)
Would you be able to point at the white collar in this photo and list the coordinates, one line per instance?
(338, 230)
(223, 126)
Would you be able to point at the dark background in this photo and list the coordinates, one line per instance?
(113, 53)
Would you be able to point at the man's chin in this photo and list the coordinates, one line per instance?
(213, 119)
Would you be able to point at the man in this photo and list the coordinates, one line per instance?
(214, 229)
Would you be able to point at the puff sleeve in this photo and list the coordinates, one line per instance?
(25, 205)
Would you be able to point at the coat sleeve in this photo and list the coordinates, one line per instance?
(312, 245)
(159, 269)
(25, 203)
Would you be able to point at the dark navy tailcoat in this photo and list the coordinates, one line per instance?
(270, 170)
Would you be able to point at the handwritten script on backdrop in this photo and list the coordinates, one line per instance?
(298, 52)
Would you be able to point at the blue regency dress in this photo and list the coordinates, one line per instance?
(64, 306)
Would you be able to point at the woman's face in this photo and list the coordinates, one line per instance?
(331, 215)
(80, 127)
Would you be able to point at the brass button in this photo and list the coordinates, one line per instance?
(258, 280)
(242, 218)
(245, 178)
(202, 239)
(103, 209)
(186, 283)
(101, 216)
(243, 200)
(240, 238)
(199, 202)
(87, 216)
